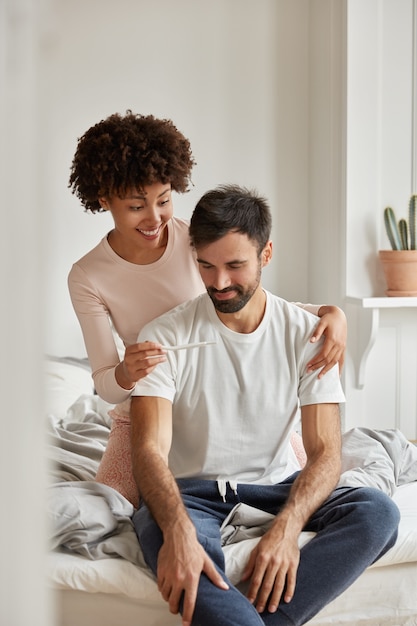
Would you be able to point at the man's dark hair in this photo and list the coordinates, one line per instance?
(128, 152)
(230, 208)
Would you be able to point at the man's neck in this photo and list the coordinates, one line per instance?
(247, 319)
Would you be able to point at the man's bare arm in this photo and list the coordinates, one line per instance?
(151, 420)
(181, 558)
(322, 442)
(274, 561)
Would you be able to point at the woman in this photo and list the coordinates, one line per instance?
(129, 165)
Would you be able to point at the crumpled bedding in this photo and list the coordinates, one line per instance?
(383, 459)
(86, 517)
(245, 522)
(76, 444)
(93, 520)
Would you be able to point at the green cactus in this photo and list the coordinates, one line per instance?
(402, 227)
(402, 236)
(412, 220)
(392, 228)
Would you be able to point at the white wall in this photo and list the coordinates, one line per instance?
(381, 171)
(362, 157)
(231, 75)
(379, 157)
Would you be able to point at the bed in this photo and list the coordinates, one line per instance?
(95, 567)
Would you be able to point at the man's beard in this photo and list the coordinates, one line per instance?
(229, 306)
(237, 303)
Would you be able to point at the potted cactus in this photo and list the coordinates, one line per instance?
(400, 263)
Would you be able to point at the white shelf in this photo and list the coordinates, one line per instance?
(382, 302)
(367, 325)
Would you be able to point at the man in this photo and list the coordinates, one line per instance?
(211, 428)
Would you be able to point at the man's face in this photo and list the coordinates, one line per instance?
(231, 270)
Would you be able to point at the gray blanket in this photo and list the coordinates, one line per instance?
(383, 459)
(84, 516)
(92, 520)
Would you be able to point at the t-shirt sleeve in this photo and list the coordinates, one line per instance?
(311, 388)
(161, 381)
(326, 390)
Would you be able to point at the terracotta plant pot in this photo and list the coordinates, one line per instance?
(400, 269)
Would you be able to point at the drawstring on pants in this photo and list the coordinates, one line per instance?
(222, 487)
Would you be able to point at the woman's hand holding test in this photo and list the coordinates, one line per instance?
(140, 359)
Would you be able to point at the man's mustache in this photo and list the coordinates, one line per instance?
(225, 290)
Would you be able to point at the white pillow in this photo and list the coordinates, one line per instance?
(65, 380)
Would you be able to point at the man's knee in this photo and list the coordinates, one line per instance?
(379, 515)
(378, 504)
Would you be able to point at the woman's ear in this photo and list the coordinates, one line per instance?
(103, 203)
(267, 254)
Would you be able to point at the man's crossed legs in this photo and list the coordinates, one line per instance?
(354, 527)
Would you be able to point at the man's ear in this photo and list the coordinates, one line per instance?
(267, 254)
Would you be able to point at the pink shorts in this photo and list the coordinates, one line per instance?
(115, 468)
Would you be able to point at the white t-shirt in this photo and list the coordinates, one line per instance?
(235, 402)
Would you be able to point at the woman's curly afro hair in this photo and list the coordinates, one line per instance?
(128, 152)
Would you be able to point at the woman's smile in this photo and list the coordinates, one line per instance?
(151, 234)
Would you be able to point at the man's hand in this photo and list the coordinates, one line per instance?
(272, 568)
(181, 561)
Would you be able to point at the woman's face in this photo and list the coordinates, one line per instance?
(140, 220)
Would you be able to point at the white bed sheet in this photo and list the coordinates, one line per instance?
(380, 597)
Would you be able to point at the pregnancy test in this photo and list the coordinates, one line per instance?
(186, 346)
